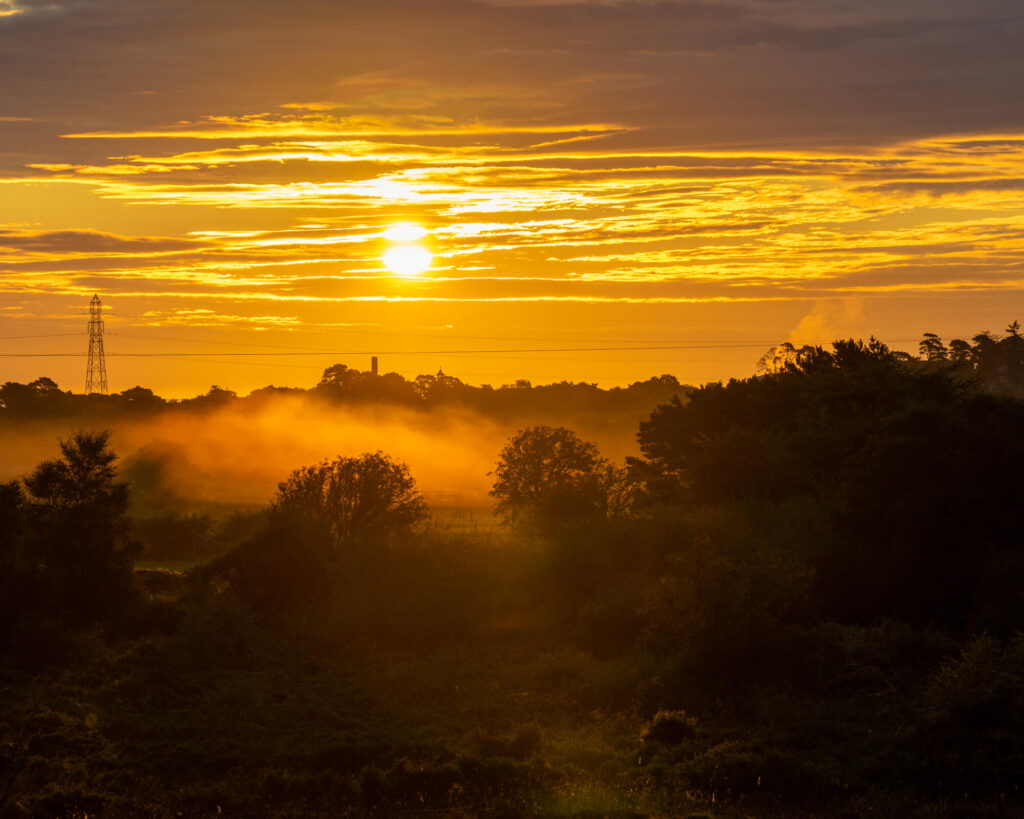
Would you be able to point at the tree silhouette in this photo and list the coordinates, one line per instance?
(370, 496)
(931, 348)
(959, 351)
(83, 476)
(548, 472)
(320, 521)
(780, 358)
(993, 363)
(38, 398)
(81, 530)
(17, 574)
(792, 430)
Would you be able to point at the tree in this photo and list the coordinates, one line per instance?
(85, 475)
(142, 399)
(544, 473)
(960, 352)
(931, 348)
(370, 496)
(342, 383)
(36, 399)
(341, 376)
(782, 433)
(321, 519)
(80, 529)
(17, 578)
(780, 358)
(215, 398)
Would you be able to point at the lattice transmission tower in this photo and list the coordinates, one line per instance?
(96, 373)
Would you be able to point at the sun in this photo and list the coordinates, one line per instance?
(408, 260)
(406, 257)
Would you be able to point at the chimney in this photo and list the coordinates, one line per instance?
(373, 365)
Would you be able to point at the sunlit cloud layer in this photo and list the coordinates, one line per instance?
(798, 220)
(240, 166)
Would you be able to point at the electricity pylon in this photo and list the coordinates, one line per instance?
(96, 373)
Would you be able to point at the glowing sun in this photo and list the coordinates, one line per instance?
(408, 260)
(406, 257)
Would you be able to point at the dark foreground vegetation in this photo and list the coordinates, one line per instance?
(804, 599)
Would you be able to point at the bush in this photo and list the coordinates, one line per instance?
(523, 743)
(547, 474)
(973, 717)
(748, 770)
(80, 532)
(669, 728)
(353, 499)
(718, 611)
(290, 562)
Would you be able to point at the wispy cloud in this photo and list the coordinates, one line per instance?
(582, 154)
(590, 215)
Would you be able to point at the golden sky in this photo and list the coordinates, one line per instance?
(610, 190)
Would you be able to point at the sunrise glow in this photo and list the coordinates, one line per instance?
(511, 408)
(408, 260)
(627, 181)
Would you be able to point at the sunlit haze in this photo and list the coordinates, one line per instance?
(595, 191)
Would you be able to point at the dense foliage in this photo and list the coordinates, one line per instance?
(352, 498)
(66, 547)
(803, 599)
(546, 474)
(908, 463)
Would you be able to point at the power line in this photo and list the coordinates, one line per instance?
(503, 351)
(440, 335)
(43, 335)
(275, 365)
(435, 336)
(215, 341)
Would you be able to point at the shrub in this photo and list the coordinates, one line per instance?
(973, 716)
(353, 498)
(748, 770)
(546, 474)
(523, 743)
(669, 728)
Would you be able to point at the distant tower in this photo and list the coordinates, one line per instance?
(96, 374)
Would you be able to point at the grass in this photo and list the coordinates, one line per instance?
(168, 565)
(216, 715)
(167, 726)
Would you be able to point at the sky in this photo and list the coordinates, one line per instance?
(605, 191)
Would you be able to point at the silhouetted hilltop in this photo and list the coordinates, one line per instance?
(342, 386)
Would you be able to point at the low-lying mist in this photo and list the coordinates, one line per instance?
(234, 455)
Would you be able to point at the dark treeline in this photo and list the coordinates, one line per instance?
(803, 598)
(996, 364)
(988, 361)
(341, 386)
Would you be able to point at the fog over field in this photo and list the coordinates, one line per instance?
(237, 453)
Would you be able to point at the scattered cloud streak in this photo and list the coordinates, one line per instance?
(579, 218)
(568, 152)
